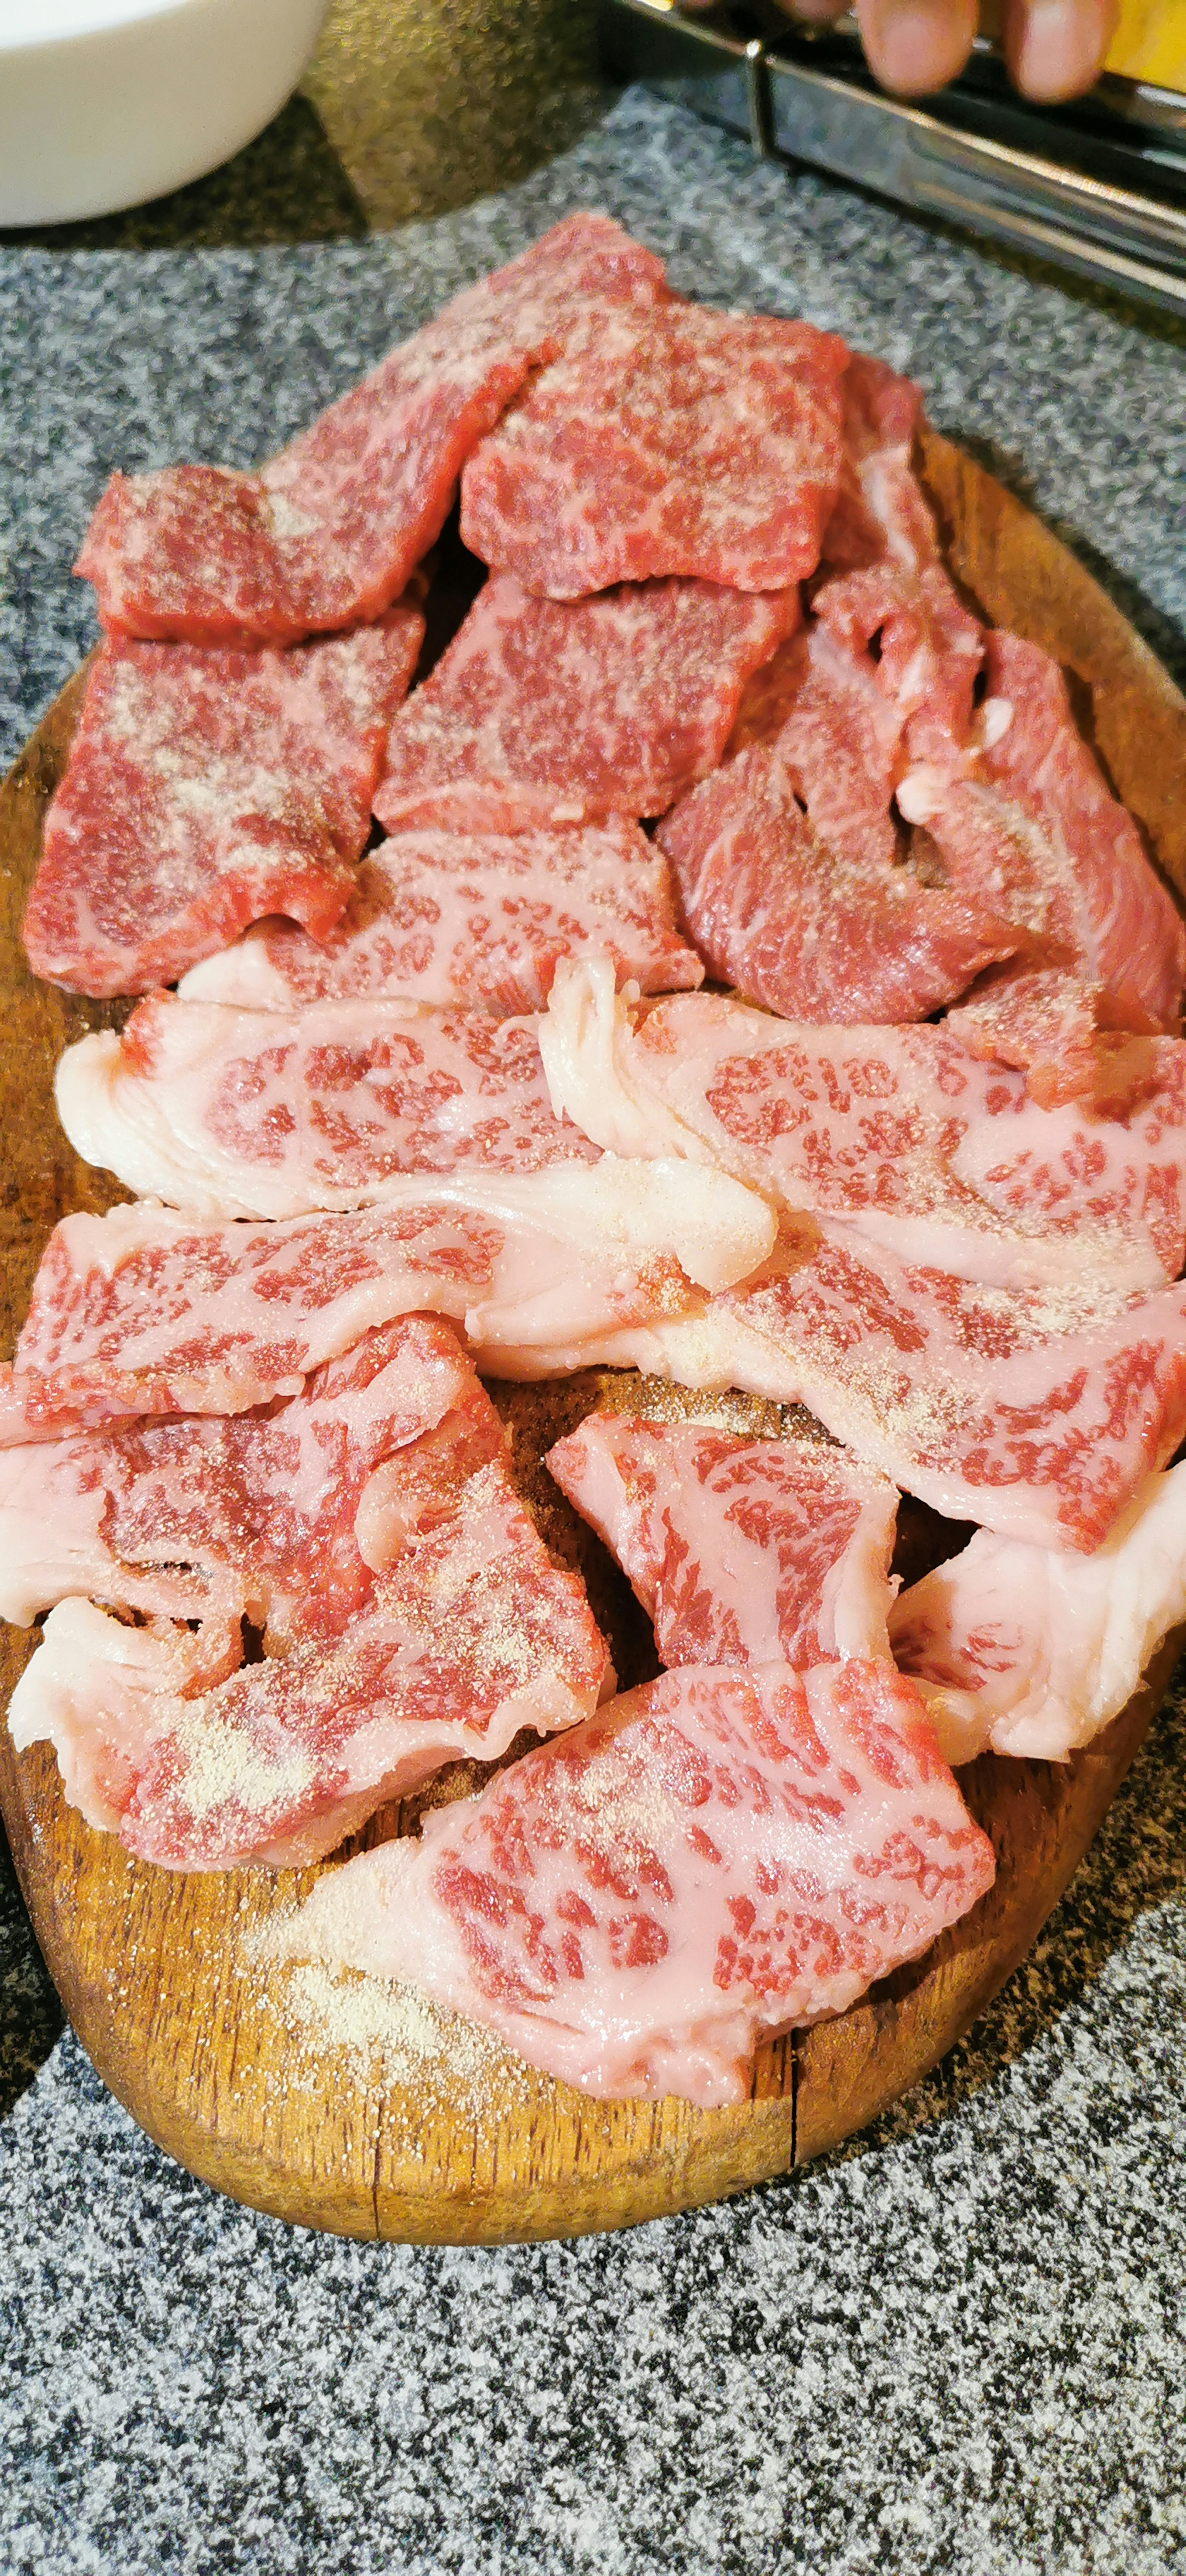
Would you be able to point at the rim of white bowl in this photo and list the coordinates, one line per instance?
(25, 24)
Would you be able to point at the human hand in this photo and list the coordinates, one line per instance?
(1054, 48)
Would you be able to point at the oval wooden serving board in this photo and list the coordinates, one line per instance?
(336, 2103)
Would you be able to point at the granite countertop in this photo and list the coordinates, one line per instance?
(957, 2344)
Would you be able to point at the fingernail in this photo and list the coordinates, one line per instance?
(1059, 46)
(916, 45)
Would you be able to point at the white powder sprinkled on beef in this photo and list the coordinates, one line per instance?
(223, 1768)
(398, 2040)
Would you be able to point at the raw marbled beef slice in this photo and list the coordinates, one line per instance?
(1033, 1651)
(449, 918)
(204, 790)
(329, 531)
(256, 1516)
(144, 1311)
(881, 510)
(470, 1634)
(551, 711)
(740, 1551)
(273, 1114)
(813, 931)
(710, 1860)
(682, 441)
(1071, 1039)
(1037, 1413)
(1031, 830)
(902, 1132)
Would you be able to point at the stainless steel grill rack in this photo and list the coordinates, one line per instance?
(1098, 186)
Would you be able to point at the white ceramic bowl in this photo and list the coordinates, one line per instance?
(104, 103)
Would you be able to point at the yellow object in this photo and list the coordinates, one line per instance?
(1150, 42)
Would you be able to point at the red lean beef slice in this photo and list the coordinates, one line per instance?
(879, 686)
(880, 509)
(1030, 828)
(682, 441)
(552, 711)
(918, 647)
(274, 1114)
(204, 790)
(412, 1613)
(796, 877)
(327, 533)
(740, 1551)
(819, 706)
(447, 917)
(709, 1861)
(815, 928)
(1072, 1040)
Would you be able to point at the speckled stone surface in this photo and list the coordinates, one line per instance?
(957, 2346)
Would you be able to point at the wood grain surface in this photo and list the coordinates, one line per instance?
(333, 2102)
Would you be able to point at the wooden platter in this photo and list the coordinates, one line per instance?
(333, 2103)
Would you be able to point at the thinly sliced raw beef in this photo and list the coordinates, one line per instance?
(846, 722)
(766, 702)
(814, 931)
(258, 1517)
(679, 441)
(328, 532)
(881, 518)
(1033, 1651)
(889, 580)
(881, 510)
(1032, 831)
(550, 711)
(206, 789)
(1072, 1040)
(901, 1131)
(146, 1312)
(708, 1861)
(740, 1551)
(838, 739)
(920, 649)
(469, 1634)
(448, 918)
(269, 1113)
(1036, 1413)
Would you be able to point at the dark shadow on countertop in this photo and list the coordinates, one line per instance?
(31, 2017)
(287, 186)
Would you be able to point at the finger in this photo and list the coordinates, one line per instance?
(915, 45)
(1055, 48)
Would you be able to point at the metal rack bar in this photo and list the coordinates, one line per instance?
(941, 163)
